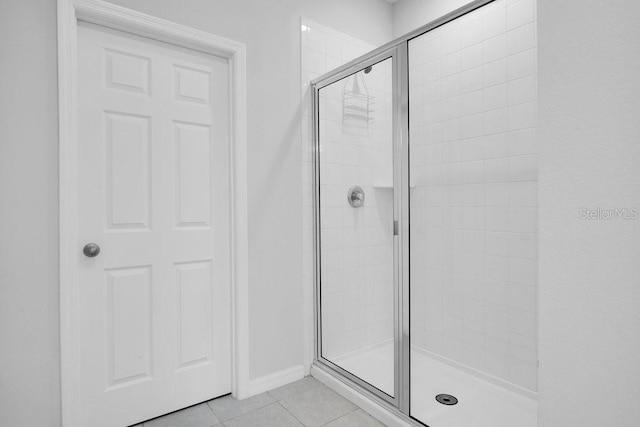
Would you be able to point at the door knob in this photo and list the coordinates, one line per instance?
(91, 250)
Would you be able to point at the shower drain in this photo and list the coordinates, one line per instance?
(446, 399)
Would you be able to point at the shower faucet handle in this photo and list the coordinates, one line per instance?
(355, 196)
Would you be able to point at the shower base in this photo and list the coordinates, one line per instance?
(481, 403)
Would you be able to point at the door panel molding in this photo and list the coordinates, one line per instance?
(70, 12)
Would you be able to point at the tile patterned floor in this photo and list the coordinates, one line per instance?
(305, 403)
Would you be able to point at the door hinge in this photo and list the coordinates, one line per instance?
(395, 228)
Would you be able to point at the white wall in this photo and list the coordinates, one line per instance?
(411, 14)
(29, 331)
(29, 310)
(589, 145)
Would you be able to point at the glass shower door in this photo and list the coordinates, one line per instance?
(355, 208)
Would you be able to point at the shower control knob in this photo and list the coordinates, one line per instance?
(91, 250)
(355, 196)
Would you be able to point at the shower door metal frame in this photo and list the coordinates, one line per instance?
(391, 53)
(398, 50)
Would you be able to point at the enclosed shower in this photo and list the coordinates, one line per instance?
(425, 204)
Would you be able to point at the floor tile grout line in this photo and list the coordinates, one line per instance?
(219, 423)
(275, 402)
(356, 407)
(290, 413)
(243, 413)
(292, 393)
(343, 415)
(279, 402)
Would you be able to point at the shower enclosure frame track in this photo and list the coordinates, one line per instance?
(397, 50)
(392, 54)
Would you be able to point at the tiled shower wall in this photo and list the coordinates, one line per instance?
(474, 205)
(357, 257)
(357, 243)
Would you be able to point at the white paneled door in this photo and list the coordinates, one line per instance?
(154, 317)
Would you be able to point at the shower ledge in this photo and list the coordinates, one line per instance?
(387, 185)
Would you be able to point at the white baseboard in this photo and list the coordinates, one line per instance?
(275, 380)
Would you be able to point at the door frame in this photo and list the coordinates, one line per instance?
(70, 12)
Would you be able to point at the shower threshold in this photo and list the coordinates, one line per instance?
(480, 402)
